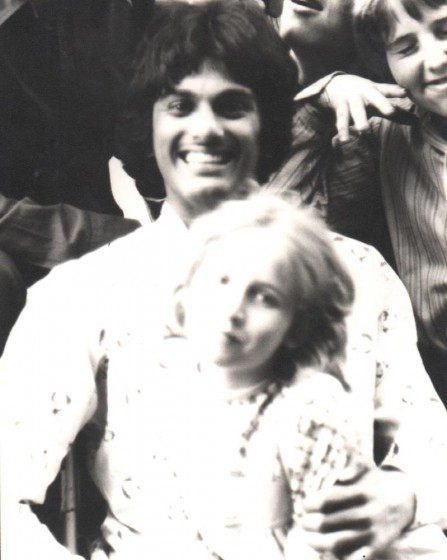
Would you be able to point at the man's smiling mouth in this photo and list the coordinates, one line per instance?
(205, 157)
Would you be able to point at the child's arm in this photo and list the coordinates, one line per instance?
(350, 97)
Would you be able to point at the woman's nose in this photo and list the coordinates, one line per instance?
(235, 309)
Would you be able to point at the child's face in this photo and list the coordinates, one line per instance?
(417, 56)
(239, 305)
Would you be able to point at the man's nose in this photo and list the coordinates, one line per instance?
(205, 122)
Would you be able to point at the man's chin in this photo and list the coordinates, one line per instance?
(211, 196)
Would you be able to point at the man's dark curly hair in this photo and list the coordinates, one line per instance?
(178, 39)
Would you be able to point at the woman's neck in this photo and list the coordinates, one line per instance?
(229, 379)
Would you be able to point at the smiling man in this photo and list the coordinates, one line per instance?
(206, 135)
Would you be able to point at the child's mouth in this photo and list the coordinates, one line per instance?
(439, 82)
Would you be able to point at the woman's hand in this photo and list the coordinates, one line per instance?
(350, 97)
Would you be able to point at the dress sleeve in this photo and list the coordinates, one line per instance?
(318, 445)
(48, 393)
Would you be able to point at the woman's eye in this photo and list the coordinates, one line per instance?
(441, 32)
(265, 298)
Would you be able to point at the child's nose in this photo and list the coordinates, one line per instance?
(436, 55)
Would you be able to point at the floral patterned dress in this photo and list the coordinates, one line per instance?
(229, 469)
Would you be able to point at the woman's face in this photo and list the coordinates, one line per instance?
(321, 24)
(206, 137)
(239, 305)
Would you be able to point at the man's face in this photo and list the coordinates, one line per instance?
(321, 24)
(206, 140)
(417, 56)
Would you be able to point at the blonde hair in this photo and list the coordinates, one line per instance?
(324, 290)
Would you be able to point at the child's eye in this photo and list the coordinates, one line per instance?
(403, 46)
(407, 50)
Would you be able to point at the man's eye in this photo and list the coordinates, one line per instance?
(234, 106)
(180, 107)
(234, 110)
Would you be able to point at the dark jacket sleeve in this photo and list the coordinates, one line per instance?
(48, 235)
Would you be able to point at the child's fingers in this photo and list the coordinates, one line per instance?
(357, 109)
(342, 118)
(391, 90)
(377, 100)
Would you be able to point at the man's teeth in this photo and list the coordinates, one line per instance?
(203, 157)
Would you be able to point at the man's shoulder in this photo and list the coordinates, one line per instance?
(373, 277)
(356, 253)
(101, 266)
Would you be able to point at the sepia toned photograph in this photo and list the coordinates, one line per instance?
(223, 279)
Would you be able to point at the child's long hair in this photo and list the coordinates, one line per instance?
(374, 21)
(324, 290)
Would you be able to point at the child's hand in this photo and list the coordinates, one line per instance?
(350, 96)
